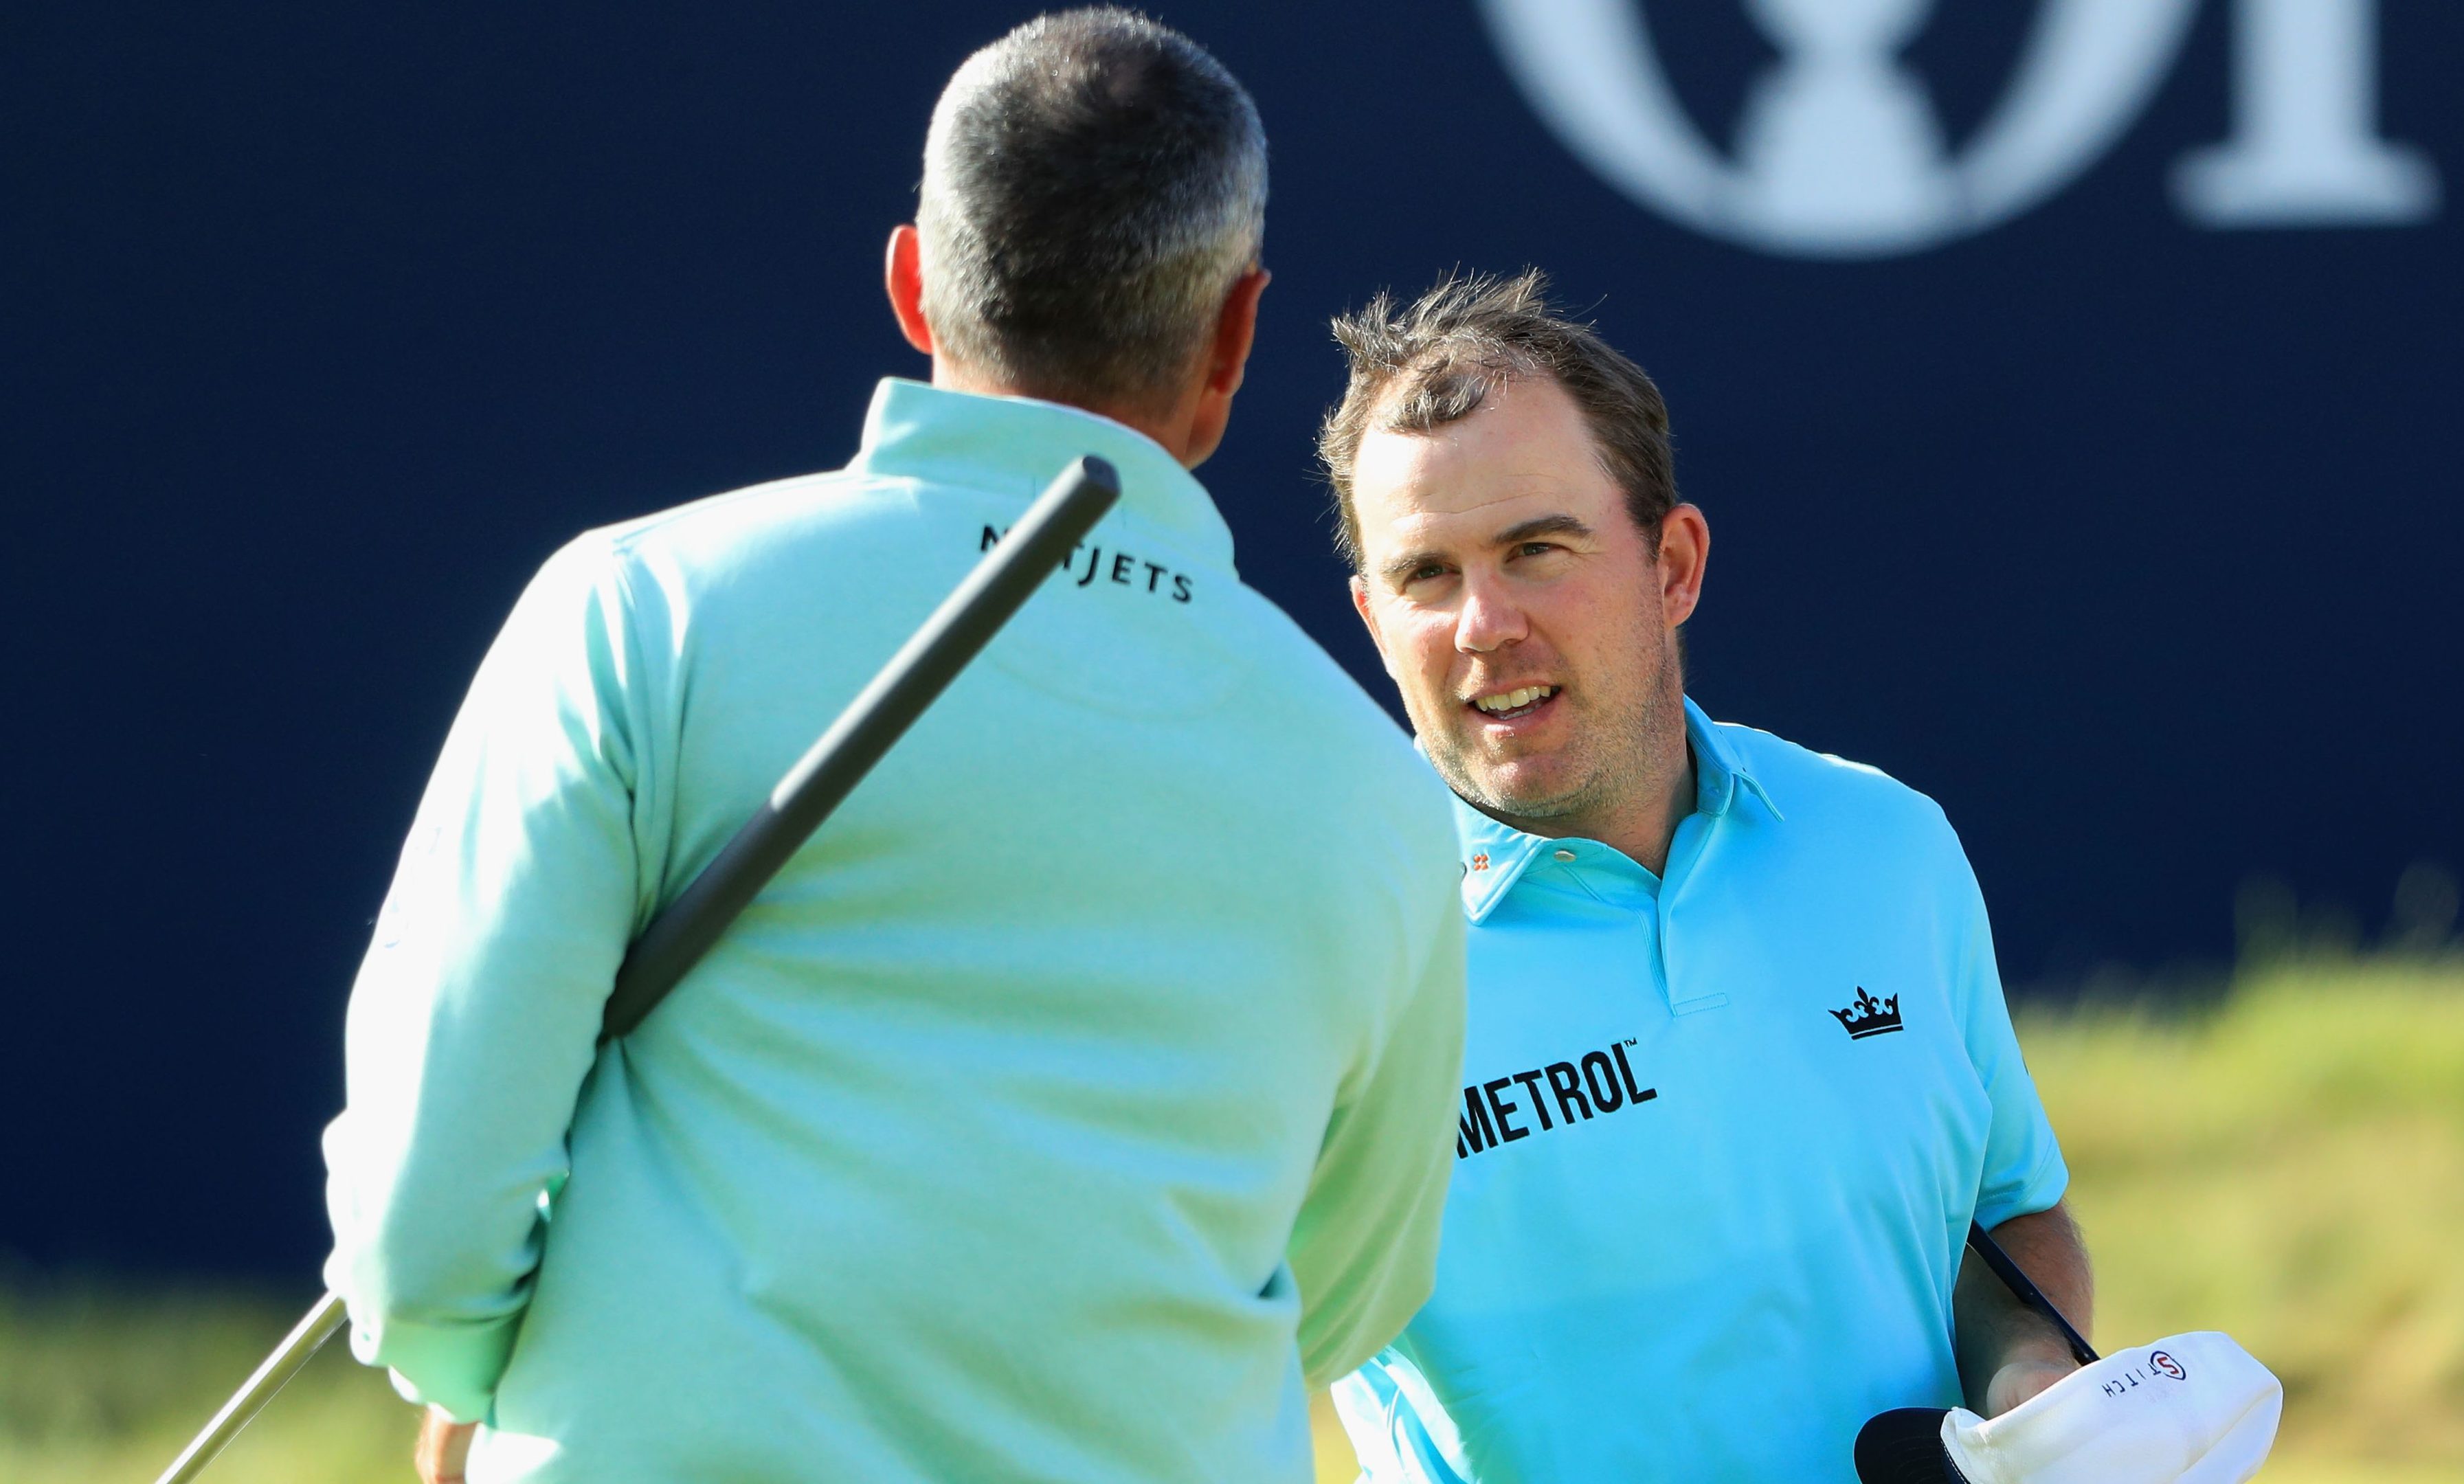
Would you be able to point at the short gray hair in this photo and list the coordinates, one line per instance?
(1094, 183)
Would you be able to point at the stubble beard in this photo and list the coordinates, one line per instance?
(1615, 757)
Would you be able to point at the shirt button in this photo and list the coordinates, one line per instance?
(1565, 855)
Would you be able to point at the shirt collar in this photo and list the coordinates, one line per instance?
(1495, 855)
(1017, 443)
(1720, 768)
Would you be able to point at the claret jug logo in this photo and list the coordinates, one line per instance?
(1839, 153)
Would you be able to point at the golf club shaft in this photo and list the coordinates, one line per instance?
(305, 1340)
(1904, 1446)
(878, 717)
(880, 714)
(2023, 1288)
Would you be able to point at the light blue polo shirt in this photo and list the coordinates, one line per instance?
(1721, 1138)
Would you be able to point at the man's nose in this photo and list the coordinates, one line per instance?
(1488, 620)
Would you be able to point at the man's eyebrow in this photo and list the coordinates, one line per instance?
(1405, 565)
(1540, 526)
(1527, 531)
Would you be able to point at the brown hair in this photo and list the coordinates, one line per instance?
(1415, 370)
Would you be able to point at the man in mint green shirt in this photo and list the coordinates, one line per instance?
(1084, 1089)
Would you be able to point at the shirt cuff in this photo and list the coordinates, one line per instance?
(453, 1367)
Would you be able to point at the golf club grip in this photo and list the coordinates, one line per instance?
(879, 715)
(2023, 1288)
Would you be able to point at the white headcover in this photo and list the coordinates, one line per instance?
(2192, 1410)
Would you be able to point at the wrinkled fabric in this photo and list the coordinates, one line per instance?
(1082, 1085)
(1720, 1138)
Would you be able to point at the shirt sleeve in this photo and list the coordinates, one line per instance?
(2023, 1169)
(476, 1014)
(1364, 1249)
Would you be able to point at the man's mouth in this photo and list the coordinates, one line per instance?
(1508, 705)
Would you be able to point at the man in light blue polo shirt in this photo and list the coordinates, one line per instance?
(1082, 1092)
(1738, 1071)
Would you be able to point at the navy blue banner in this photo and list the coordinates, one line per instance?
(2070, 386)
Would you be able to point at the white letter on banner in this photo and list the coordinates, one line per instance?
(2305, 149)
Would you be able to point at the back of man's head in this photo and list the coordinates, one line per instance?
(1094, 183)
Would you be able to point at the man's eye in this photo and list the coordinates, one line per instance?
(1535, 548)
(1425, 572)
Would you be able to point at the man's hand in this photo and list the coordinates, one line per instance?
(2023, 1377)
(443, 1448)
(2007, 1352)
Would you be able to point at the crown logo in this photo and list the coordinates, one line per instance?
(1869, 1017)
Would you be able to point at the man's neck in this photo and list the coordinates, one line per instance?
(1172, 428)
(1650, 822)
(1641, 826)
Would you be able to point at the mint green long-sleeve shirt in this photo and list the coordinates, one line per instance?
(1083, 1085)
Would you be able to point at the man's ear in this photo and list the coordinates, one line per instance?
(1236, 333)
(903, 275)
(1685, 552)
(1227, 361)
(1361, 605)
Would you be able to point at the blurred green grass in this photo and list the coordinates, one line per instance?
(2284, 1163)
(102, 1383)
(2287, 1167)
